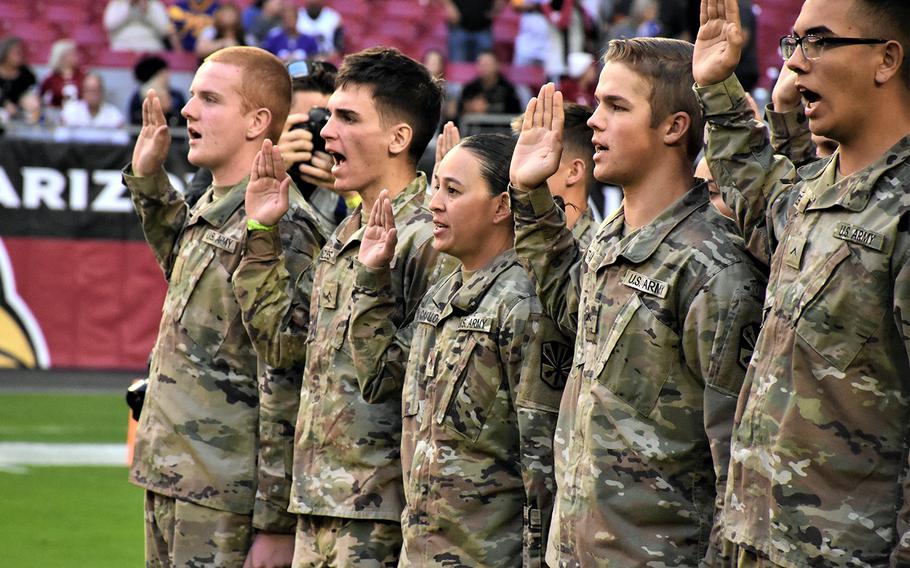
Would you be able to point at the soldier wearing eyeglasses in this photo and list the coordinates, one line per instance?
(819, 453)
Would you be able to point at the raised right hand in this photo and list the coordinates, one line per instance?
(266, 198)
(377, 248)
(719, 43)
(154, 139)
(449, 138)
(539, 147)
(785, 97)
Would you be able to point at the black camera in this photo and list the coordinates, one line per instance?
(316, 120)
(135, 397)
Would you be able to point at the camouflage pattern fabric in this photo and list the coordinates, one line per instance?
(584, 229)
(214, 429)
(665, 319)
(479, 404)
(180, 534)
(790, 135)
(347, 452)
(819, 469)
(322, 542)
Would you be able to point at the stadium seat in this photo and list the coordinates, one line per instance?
(64, 14)
(461, 73)
(531, 75)
(107, 58)
(10, 13)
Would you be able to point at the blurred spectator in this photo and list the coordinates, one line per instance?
(190, 17)
(260, 18)
(532, 44)
(435, 62)
(622, 25)
(31, 111)
(137, 25)
(470, 27)
(152, 73)
(65, 80)
(679, 18)
(285, 41)
(324, 24)
(226, 31)
(579, 84)
(91, 109)
(747, 70)
(15, 76)
(490, 93)
(645, 13)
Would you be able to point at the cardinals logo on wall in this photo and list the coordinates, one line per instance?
(22, 344)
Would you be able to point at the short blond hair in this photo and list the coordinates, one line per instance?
(265, 82)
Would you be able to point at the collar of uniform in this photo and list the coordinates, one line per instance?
(218, 211)
(584, 221)
(854, 191)
(641, 244)
(465, 297)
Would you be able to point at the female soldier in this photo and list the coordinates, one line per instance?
(484, 374)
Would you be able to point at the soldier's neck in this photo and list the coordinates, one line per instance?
(653, 194)
(395, 182)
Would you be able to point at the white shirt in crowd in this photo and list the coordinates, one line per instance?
(323, 28)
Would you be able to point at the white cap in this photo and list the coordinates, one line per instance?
(579, 62)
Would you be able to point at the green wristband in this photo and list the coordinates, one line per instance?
(254, 225)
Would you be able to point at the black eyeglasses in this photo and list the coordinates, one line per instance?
(303, 68)
(812, 45)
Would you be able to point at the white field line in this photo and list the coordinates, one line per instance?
(15, 456)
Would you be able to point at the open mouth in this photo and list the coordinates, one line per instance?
(193, 133)
(810, 97)
(338, 157)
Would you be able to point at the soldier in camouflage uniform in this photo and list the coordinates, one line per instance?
(483, 380)
(213, 442)
(347, 486)
(818, 475)
(574, 181)
(666, 304)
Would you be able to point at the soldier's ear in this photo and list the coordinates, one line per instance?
(891, 62)
(400, 137)
(503, 209)
(675, 127)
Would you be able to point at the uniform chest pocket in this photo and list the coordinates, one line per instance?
(637, 357)
(470, 379)
(841, 307)
(204, 302)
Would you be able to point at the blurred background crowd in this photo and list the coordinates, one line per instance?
(82, 64)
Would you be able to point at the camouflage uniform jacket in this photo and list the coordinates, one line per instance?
(584, 229)
(479, 404)
(790, 135)
(818, 475)
(213, 429)
(347, 452)
(665, 319)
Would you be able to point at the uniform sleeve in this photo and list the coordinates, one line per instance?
(719, 334)
(281, 346)
(900, 556)
(537, 361)
(273, 284)
(790, 135)
(751, 177)
(162, 213)
(380, 345)
(551, 255)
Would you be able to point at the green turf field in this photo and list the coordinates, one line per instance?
(67, 516)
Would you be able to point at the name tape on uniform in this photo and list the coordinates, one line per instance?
(223, 242)
(477, 323)
(860, 236)
(645, 284)
(426, 315)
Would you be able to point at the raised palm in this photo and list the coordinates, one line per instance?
(539, 147)
(380, 236)
(266, 197)
(719, 43)
(153, 141)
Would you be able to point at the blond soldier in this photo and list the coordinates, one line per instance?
(666, 304)
(213, 438)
